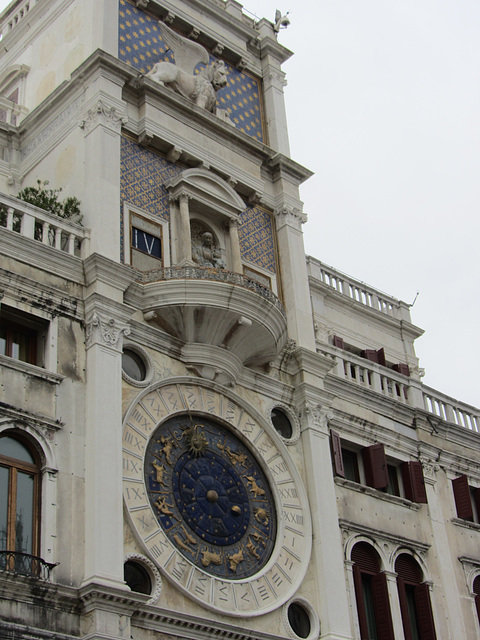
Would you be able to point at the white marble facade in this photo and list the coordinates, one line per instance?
(184, 298)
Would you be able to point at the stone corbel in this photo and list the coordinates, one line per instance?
(254, 198)
(107, 332)
(174, 154)
(194, 33)
(145, 139)
(218, 49)
(241, 64)
(169, 18)
(103, 115)
(141, 4)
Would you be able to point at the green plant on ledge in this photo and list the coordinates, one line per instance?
(47, 199)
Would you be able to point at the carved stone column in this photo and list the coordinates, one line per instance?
(184, 237)
(103, 450)
(235, 246)
(273, 83)
(294, 275)
(331, 594)
(101, 126)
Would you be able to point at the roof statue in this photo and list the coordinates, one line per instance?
(201, 88)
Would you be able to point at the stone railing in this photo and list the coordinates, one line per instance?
(451, 410)
(14, 17)
(369, 375)
(206, 273)
(37, 224)
(357, 291)
(394, 385)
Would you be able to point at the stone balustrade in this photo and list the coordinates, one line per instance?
(37, 224)
(389, 383)
(16, 15)
(357, 291)
(210, 273)
(451, 410)
(370, 375)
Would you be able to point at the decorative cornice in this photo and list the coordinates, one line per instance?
(103, 115)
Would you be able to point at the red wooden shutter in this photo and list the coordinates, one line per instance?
(336, 447)
(338, 342)
(476, 497)
(381, 357)
(362, 615)
(413, 482)
(424, 612)
(476, 591)
(402, 368)
(383, 617)
(375, 463)
(463, 502)
(402, 597)
(370, 354)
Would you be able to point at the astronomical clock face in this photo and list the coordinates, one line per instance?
(213, 500)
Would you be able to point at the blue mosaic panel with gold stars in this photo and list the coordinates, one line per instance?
(142, 176)
(256, 234)
(141, 46)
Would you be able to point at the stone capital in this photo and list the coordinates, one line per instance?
(105, 331)
(291, 215)
(104, 115)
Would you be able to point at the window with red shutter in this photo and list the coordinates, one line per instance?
(336, 447)
(463, 501)
(413, 482)
(375, 464)
(381, 357)
(476, 591)
(414, 598)
(370, 354)
(371, 594)
(338, 342)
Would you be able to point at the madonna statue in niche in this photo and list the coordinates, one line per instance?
(205, 251)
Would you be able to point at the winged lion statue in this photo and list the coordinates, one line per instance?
(201, 88)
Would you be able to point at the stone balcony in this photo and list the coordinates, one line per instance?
(224, 319)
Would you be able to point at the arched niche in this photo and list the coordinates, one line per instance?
(196, 194)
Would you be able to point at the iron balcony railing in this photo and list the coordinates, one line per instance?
(25, 564)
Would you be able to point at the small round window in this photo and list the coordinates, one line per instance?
(299, 620)
(133, 365)
(281, 423)
(137, 577)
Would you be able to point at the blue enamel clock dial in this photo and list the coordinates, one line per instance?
(210, 496)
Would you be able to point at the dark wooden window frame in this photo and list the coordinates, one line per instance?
(365, 564)
(463, 495)
(30, 335)
(14, 466)
(409, 577)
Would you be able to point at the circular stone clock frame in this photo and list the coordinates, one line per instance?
(262, 533)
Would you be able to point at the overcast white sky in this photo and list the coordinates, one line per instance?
(383, 103)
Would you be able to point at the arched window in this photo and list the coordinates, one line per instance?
(476, 591)
(414, 596)
(19, 499)
(374, 617)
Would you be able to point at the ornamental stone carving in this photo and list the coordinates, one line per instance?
(105, 331)
(201, 89)
(205, 251)
(105, 116)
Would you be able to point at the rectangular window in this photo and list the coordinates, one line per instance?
(19, 336)
(463, 495)
(393, 487)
